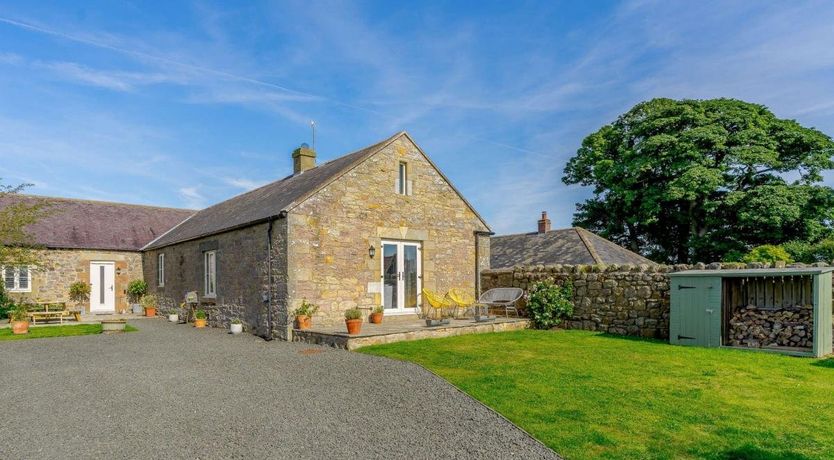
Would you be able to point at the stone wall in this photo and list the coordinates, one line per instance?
(619, 299)
(330, 233)
(240, 273)
(61, 267)
(626, 300)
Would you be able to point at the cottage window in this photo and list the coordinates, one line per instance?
(160, 270)
(210, 270)
(16, 279)
(403, 186)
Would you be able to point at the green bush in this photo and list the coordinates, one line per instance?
(548, 304)
(149, 301)
(19, 313)
(79, 292)
(136, 289)
(821, 251)
(306, 309)
(353, 313)
(767, 253)
(6, 302)
(200, 314)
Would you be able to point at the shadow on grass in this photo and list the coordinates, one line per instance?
(749, 452)
(828, 362)
(630, 338)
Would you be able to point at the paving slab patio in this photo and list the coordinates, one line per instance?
(172, 391)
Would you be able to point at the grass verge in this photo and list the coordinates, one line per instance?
(591, 395)
(36, 332)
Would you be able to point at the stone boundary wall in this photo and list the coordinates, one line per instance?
(619, 299)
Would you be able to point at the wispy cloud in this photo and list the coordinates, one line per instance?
(192, 197)
(243, 183)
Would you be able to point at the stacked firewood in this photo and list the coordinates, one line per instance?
(752, 326)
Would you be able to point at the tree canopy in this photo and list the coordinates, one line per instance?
(695, 180)
(16, 245)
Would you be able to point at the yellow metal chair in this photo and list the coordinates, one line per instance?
(462, 300)
(437, 302)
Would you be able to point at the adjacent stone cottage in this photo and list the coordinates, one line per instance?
(566, 246)
(89, 241)
(369, 228)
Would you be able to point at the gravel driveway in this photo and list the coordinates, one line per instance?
(171, 391)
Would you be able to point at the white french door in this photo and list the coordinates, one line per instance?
(102, 287)
(402, 276)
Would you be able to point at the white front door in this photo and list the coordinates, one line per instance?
(102, 287)
(402, 276)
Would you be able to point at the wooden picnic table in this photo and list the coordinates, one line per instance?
(47, 311)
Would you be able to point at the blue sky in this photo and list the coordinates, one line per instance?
(186, 104)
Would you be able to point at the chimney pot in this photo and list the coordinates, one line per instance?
(544, 223)
(303, 158)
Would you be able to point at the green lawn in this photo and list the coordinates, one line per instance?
(590, 395)
(56, 331)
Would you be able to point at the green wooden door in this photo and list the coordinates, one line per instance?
(695, 317)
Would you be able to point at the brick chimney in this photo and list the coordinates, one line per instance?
(303, 158)
(544, 223)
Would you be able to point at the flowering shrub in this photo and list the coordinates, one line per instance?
(548, 304)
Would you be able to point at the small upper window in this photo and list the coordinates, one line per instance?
(402, 179)
(160, 270)
(16, 279)
(210, 271)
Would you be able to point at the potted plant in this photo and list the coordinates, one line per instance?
(149, 303)
(200, 318)
(79, 292)
(376, 315)
(304, 313)
(136, 289)
(19, 317)
(353, 320)
(237, 326)
(174, 315)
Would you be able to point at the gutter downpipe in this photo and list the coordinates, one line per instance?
(268, 336)
(478, 234)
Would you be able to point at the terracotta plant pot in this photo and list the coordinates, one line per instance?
(20, 327)
(200, 322)
(302, 322)
(150, 311)
(376, 318)
(354, 326)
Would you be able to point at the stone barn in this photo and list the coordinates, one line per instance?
(373, 227)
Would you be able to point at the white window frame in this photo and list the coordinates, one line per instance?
(160, 269)
(402, 178)
(210, 273)
(16, 284)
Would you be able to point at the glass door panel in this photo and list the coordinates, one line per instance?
(410, 276)
(390, 276)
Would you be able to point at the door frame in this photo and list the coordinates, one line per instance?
(401, 244)
(110, 266)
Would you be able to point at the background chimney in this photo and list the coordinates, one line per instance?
(303, 158)
(544, 223)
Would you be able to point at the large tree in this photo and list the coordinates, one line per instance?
(696, 180)
(16, 245)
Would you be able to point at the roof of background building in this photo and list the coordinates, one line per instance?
(567, 246)
(86, 224)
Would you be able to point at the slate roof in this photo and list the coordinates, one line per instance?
(87, 224)
(567, 246)
(269, 201)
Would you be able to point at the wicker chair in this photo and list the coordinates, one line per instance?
(505, 298)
